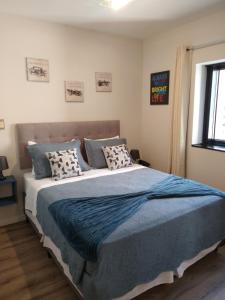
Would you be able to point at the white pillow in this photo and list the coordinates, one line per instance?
(30, 143)
(117, 157)
(114, 137)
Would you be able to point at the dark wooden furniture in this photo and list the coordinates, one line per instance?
(12, 198)
(144, 163)
(135, 155)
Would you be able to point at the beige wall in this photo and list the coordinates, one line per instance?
(73, 54)
(159, 53)
(76, 54)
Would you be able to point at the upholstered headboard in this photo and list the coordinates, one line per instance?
(61, 132)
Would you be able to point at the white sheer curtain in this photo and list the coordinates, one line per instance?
(180, 112)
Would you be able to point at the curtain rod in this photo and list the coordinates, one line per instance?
(201, 46)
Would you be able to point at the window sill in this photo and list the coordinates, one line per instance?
(215, 148)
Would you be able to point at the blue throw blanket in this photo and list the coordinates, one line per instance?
(86, 222)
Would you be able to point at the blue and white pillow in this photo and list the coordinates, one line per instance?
(117, 157)
(64, 164)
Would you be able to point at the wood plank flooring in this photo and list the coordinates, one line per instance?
(26, 273)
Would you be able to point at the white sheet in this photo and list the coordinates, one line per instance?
(33, 186)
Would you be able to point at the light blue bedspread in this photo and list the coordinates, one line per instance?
(157, 238)
(86, 222)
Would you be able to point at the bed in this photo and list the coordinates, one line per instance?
(156, 244)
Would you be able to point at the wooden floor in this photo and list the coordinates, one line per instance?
(27, 273)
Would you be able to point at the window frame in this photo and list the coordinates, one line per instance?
(207, 142)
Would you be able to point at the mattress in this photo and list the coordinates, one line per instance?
(33, 186)
(52, 240)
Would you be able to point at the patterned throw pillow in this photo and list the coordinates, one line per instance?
(64, 164)
(117, 156)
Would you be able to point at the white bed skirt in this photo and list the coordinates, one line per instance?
(165, 277)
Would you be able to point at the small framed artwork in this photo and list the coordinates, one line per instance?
(159, 93)
(103, 82)
(37, 69)
(74, 91)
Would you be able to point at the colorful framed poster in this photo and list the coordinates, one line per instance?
(159, 93)
(74, 91)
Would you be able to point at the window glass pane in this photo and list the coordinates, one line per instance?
(212, 114)
(220, 111)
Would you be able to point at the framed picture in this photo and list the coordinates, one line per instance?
(37, 69)
(74, 91)
(159, 93)
(103, 82)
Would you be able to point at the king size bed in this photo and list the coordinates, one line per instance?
(139, 232)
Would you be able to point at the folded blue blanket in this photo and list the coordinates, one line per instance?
(86, 222)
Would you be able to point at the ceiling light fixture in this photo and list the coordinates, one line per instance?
(115, 4)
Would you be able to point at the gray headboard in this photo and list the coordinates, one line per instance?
(61, 132)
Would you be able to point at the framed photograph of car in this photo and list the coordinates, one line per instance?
(74, 91)
(103, 82)
(37, 69)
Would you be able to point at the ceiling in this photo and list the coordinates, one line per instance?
(139, 19)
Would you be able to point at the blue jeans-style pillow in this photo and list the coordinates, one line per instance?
(95, 155)
(41, 163)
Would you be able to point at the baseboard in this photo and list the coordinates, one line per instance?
(13, 220)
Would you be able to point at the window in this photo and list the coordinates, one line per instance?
(214, 113)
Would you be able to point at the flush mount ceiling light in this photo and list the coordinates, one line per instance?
(115, 4)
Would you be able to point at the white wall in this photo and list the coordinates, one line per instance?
(73, 54)
(159, 54)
